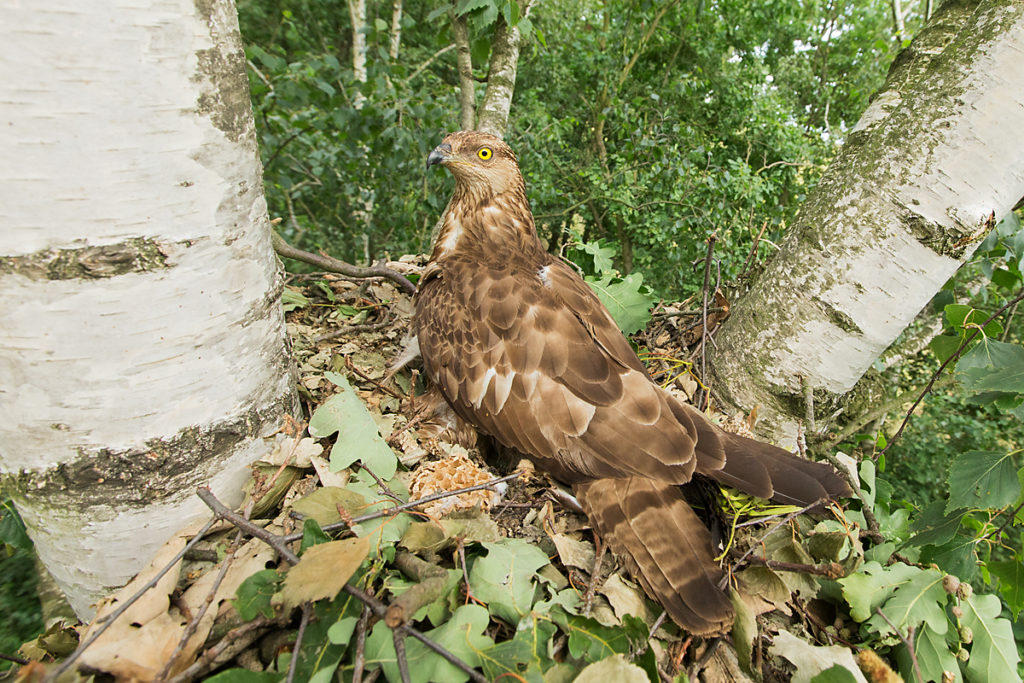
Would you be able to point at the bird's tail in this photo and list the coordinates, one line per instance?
(767, 471)
(666, 547)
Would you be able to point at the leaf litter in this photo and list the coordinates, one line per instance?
(501, 578)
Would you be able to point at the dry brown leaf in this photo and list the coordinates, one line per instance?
(625, 599)
(573, 552)
(323, 570)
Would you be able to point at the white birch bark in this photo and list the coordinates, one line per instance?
(938, 154)
(142, 349)
(492, 115)
(357, 11)
(395, 37)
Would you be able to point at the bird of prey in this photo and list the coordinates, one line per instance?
(521, 347)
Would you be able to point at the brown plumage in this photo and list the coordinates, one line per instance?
(519, 346)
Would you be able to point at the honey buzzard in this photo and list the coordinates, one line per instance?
(520, 347)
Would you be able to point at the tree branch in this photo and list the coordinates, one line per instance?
(333, 265)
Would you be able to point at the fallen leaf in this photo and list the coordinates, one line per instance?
(811, 660)
(323, 570)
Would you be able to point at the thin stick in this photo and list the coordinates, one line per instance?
(73, 657)
(280, 544)
(955, 356)
(335, 266)
(294, 663)
(360, 659)
(193, 623)
(595, 576)
(908, 640)
(351, 366)
(403, 663)
(383, 487)
(379, 610)
(276, 542)
(773, 529)
(704, 314)
(12, 658)
(231, 639)
(334, 526)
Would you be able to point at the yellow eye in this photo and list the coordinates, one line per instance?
(485, 153)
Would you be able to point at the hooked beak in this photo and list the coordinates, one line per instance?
(441, 154)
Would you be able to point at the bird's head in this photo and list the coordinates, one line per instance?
(482, 164)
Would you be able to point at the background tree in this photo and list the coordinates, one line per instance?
(142, 346)
(934, 162)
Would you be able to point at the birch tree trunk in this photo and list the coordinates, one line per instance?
(492, 115)
(142, 348)
(936, 158)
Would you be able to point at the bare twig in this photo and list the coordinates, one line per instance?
(771, 530)
(335, 266)
(595, 575)
(291, 538)
(13, 658)
(704, 317)
(294, 663)
(193, 623)
(381, 484)
(232, 641)
(831, 570)
(351, 366)
(349, 329)
(73, 657)
(359, 663)
(280, 544)
(403, 663)
(276, 542)
(953, 357)
(908, 640)
(379, 609)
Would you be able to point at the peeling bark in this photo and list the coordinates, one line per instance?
(142, 348)
(934, 160)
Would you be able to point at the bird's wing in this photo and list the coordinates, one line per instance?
(665, 546)
(528, 353)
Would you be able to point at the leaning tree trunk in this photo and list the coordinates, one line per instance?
(937, 157)
(142, 348)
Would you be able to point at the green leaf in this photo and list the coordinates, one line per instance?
(312, 535)
(837, 673)
(1011, 583)
(358, 437)
(934, 526)
(944, 345)
(993, 652)
(510, 11)
(933, 656)
(982, 480)
(253, 595)
(462, 635)
(386, 531)
(319, 656)
(592, 641)
(528, 647)
(12, 529)
(246, 676)
(922, 599)
(992, 366)
(292, 298)
(873, 585)
(627, 299)
(504, 578)
(614, 668)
